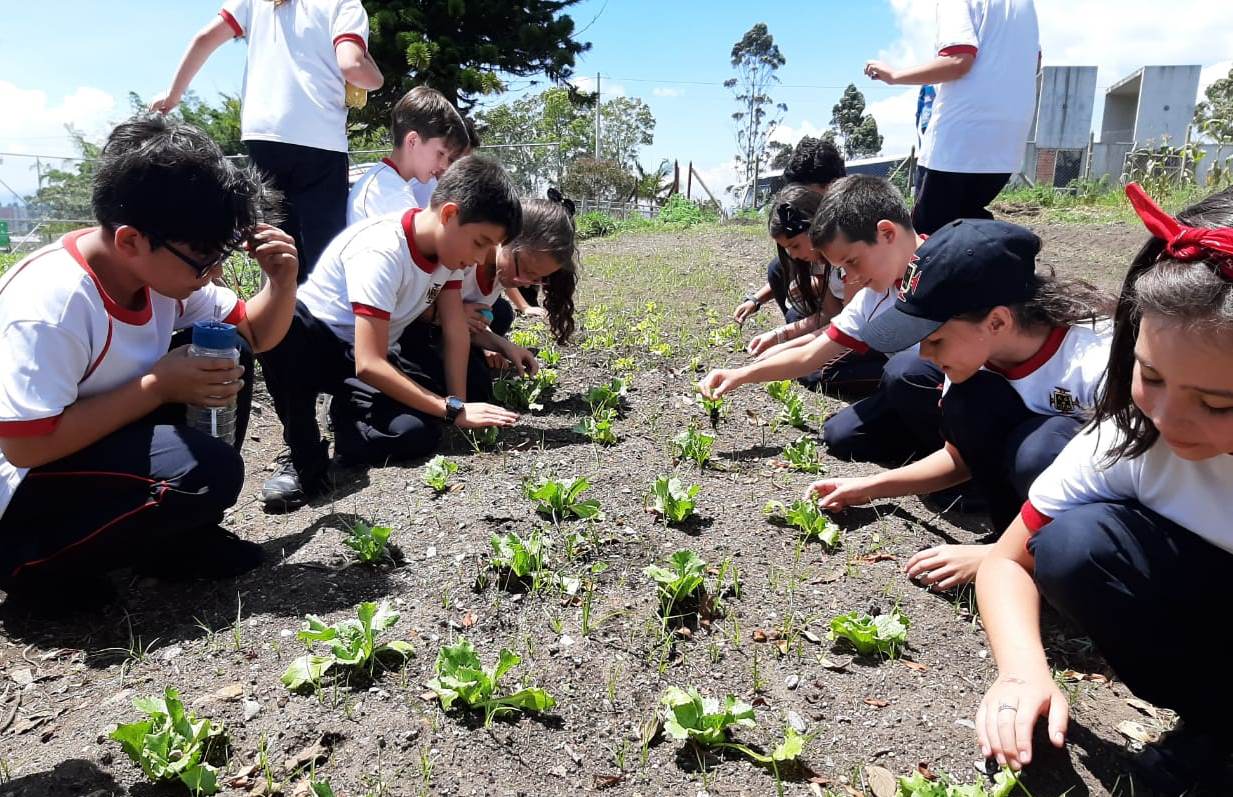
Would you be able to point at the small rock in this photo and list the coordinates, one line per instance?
(167, 654)
(797, 722)
(966, 723)
(251, 709)
(431, 552)
(23, 677)
(792, 681)
(566, 640)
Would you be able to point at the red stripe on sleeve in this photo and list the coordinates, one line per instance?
(351, 37)
(846, 340)
(368, 311)
(452, 285)
(237, 314)
(959, 49)
(35, 428)
(231, 23)
(1033, 518)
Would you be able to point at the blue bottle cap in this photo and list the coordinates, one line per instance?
(214, 335)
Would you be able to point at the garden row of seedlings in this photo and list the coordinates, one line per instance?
(172, 744)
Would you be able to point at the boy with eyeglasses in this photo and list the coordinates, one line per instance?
(98, 468)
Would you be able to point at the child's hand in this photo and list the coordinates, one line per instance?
(946, 566)
(533, 311)
(879, 70)
(719, 382)
(164, 103)
(837, 494)
(477, 414)
(203, 381)
(1008, 714)
(760, 343)
(745, 311)
(274, 251)
(477, 320)
(522, 359)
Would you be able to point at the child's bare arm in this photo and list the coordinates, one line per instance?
(207, 40)
(457, 338)
(271, 310)
(357, 66)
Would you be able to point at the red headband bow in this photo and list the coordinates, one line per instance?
(1182, 242)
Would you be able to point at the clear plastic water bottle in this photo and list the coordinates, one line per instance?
(214, 339)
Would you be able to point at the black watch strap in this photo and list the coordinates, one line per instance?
(453, 408)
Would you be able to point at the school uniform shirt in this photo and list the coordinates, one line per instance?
(423, 191)
(294, 92)
(980, 122)
(375, 269)
(1195, 495)
(846, 327)
(476, 291)
(62, 338)
(380, 192)
(1064, 376)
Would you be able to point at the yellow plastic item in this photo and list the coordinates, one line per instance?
(356, 97)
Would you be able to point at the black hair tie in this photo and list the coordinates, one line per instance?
(791, 220)
(556, 196)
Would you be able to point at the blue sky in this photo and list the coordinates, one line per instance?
(673, 55)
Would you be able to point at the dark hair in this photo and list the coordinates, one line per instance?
(548, 227)
(814, 161)
(483, 193)
(1193, 295)
(427, 112)
(1055, 303)
(804, 200)
(854, 205)
(473, 137)
(170, 181)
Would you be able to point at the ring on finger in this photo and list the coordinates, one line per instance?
(1007, 707)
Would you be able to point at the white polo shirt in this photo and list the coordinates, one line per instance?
(847, 327)
(423, 191)
(63, 338)
(375, 269)
(980, 122)
(381, 191)
(1195, 495)
(476, 291)
(294, 92)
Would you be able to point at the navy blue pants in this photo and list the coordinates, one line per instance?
(899, 422)
(1004, 444)
(1150, 593)
(314, 186)
(369, 427)
(135, 492)
(502, 316)
(945, 196)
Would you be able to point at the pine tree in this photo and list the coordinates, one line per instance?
(857, 130)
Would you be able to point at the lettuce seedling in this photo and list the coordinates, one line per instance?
(462, 679)
(353, 645)
(682, 578)
(673, 501)
(560, 498)
(438, 471)
(791, 405)
(805, 516)
(802, 455)
(549, 355)
(886, 634)
(693, 445)
(173, 744)
(483, 438)
(609, 396)
(369, 542)
(527, 392)
(527, 338)
(520, 557)
(598, 426)
(917, 785)
(714, 408)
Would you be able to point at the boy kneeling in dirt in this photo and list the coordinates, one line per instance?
(389, 397)
(98, 469)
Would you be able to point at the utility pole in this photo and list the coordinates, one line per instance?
(598, 95)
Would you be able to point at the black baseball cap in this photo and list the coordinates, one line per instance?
(970, 264)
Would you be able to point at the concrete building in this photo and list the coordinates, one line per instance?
(1152, 106)
(1061, 129)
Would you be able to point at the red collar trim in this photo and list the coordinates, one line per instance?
(479, 279)
(118, 312)
(394, 166)
(422, 261)
(1042, 356)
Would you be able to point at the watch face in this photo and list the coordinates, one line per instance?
(453, 404)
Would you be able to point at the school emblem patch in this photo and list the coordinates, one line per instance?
(911, 281)
(432, 295)
(1063, 401)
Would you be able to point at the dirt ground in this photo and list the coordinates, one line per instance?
(65, 684)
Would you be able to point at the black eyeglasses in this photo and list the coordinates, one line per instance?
(518, 273)
(200, 267)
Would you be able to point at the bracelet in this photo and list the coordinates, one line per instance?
(779, 333)
(753, 299)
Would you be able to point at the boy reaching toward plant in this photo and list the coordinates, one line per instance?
(1023, 364)
(390, 392)
(862, 226)
(98, 469)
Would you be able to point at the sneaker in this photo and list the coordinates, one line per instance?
(286, 490)
(211, 552)
(1180, 760)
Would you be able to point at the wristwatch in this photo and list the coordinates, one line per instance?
(753, 299)
(453, 408)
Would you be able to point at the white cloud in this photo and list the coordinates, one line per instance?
(790, 134)
(609, 90)
(1212, 73)
(717, 178)
(665, 91)
(896, 117)
(33, 124)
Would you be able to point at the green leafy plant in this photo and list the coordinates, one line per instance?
(550, 356)
(791, 405)
(715, 408)
(802, 454)
(369, 542)
(462, 679)
(683, 578)
(886, 634)
(594, 224)
(624, 364)
(321, 788)
(609, 396)
(917, 785)
(173, 744)
(527, 338)
(527, 392)
(693, 445)
(561, 498)
(673, 501)
(483, 438)
(438, 471)
(806, 517)
(353, 645)
(519, 557)
(599, 426)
